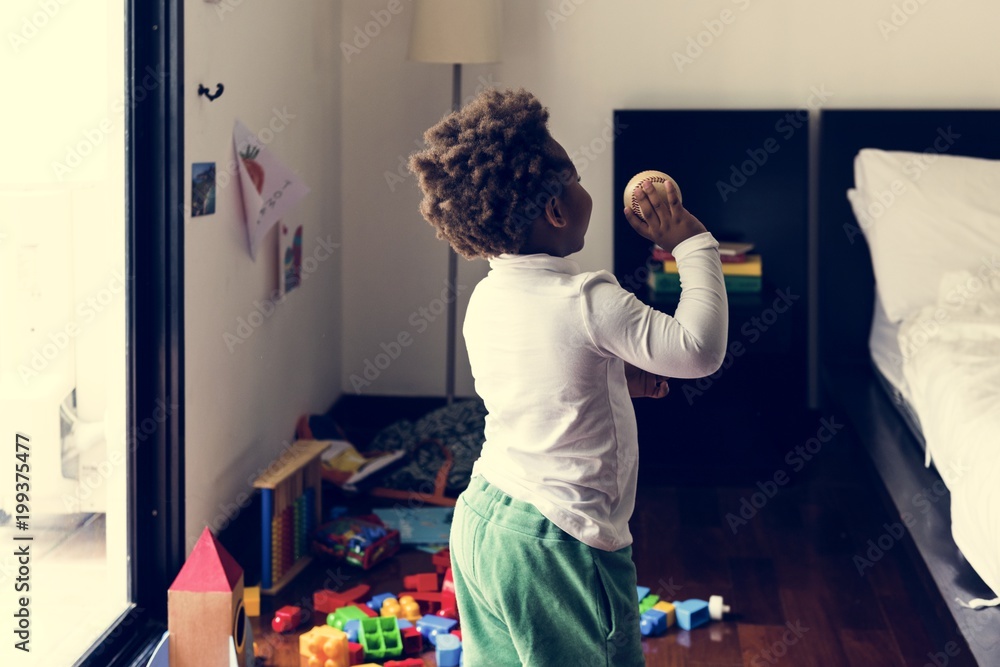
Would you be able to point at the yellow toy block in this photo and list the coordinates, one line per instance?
(406, 607)
(251, 601)
(667, 609)
(324, 646)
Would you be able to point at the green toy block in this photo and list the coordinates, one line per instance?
(647, 603)
(380, 637)
(341, 616)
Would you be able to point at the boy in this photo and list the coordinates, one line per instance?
(540, 544)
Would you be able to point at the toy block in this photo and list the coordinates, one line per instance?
(457, 633)
(413, 641)
(355, 651)
(368, 611)
(447, 651)
(286, 619)
(381, 638)
(409, 662)
(691, 613)
(430, 601)
(667, 609)
(653, 622)
(716, 608)
(647, 602)
(442, 561)
(405, 607)
(427, 581)
(351, 628)
(448, 591)
(433, 626)
(376, 602)
(326, 601)
(205, 608)
(341, 616)
(402, 624)
(324, 646)
(447, 612)
(642, 591)
(251, 601)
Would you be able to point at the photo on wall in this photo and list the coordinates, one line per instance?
(202, 189)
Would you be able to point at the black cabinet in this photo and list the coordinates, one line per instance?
(744, 174)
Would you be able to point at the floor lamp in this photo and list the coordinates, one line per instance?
(455, 32)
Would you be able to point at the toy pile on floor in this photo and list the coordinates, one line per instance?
(657, 615)
(389, 628)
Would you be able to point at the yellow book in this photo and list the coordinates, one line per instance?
(751, 267)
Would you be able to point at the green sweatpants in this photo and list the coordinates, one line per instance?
(530, 594)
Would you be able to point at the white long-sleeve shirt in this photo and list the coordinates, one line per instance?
(546, 344)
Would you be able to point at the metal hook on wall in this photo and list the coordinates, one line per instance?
(202, 90)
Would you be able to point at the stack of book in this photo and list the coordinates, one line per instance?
(740, 270)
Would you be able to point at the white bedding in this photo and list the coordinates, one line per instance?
(951, 365)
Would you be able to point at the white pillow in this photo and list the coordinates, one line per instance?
(923, 214)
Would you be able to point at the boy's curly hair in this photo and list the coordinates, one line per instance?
(484, 172)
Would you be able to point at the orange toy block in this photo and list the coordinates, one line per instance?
(405, 607)
(324, 646)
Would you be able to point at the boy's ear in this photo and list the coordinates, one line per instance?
(553, 213)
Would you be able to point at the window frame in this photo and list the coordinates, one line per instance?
(155, 215)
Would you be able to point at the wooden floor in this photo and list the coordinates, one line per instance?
(790, 574)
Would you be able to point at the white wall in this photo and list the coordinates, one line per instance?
(242, 403)
(610, 54)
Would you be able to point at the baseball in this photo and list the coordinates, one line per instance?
(658, 178)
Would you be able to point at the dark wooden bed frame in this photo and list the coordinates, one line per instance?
(850, 382)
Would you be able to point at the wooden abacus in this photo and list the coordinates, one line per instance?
(290, 492)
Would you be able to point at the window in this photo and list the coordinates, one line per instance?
(91, 332)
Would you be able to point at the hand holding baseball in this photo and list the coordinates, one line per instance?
(664, 219)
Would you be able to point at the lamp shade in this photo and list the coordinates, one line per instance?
(456, 31)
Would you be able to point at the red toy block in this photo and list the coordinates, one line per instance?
(413, 641)
(368, 610)
(448, 592)
(409, 662)
(457, 633)
(326, 601)
(356, 653)
(427, 581)
(429, 601)
(447, 612)
(442, 561)
(286, 619)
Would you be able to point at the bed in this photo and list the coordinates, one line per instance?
(906, 346)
